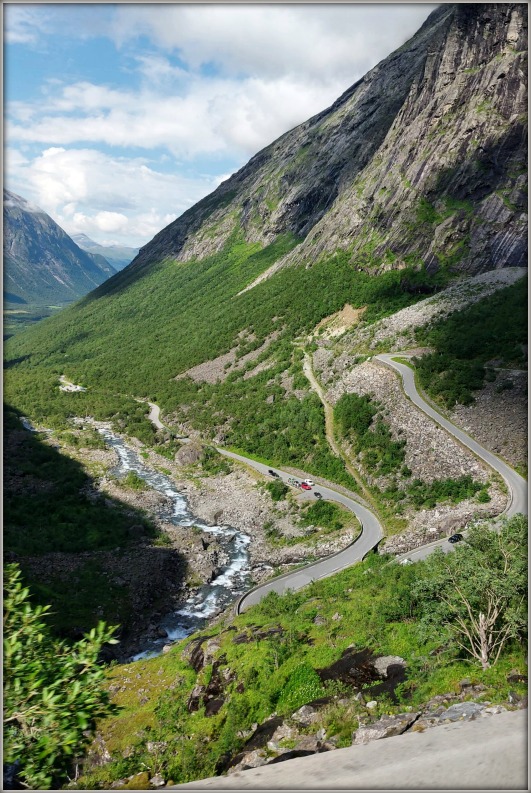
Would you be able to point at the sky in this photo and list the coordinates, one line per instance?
(118, 118)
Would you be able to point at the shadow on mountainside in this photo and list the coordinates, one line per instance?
(89, 556)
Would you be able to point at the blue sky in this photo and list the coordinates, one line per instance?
(120, 117)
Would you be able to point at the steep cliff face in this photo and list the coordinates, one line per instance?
(422, 161)
(449, 182)
(41, 262)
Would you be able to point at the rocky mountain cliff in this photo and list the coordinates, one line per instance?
(117, 255)
(423, 161)
(42, 264)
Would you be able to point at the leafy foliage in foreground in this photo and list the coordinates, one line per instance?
(53, 692)
(370, 605)
(493, 328)
(478, 593)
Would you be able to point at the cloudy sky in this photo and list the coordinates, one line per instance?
(120, 117)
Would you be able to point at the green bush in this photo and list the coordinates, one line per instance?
(52, 692)
(213, 462)
(325, 514)
(427, 495)
(302, 686)
(277, 489)
(134, 481)
(355, 417)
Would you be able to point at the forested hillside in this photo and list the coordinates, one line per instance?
(394, 221)
(391, 231)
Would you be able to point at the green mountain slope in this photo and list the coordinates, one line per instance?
(354, 205)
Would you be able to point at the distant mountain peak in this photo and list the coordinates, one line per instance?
(82, 239)
(118, 255)
(42, 264)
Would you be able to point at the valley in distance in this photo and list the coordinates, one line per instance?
(266, 480)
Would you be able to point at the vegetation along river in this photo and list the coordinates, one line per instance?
(209, 599)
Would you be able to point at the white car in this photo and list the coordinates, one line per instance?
(406, 561)
(309, 482)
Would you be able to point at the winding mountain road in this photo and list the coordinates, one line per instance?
(154, 416)
(371, 528)
(517, 485)
(371, 534)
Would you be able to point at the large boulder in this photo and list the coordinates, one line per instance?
(189, 454)
(305, 715)
(385, 727)
(384, 662)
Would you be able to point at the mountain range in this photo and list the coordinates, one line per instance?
(417, 174)
(395, 222)
(441, 121)
(42, 264)
(118, 255)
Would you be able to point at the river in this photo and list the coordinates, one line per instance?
(209, 599)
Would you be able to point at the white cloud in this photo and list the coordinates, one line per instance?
(217, 81)
(313, 41)
(108, 222)
(87, 191)
(279, 65)
(212, 116)
(22, 24)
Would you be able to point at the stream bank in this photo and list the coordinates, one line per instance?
(212, 544)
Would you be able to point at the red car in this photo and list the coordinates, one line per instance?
(305, 486)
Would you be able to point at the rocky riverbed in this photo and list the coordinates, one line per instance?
(170, 574)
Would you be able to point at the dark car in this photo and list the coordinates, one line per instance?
(273, 473)
(317, 495)
(455, 538)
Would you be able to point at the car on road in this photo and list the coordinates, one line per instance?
(305, 486)
(309, 482)
(272, 473)
(317, 495)
(294, 482)
(455, 538)
(406, 561)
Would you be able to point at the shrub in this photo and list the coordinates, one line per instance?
(52, 691)
(302, 686)
(134, 481)
(324, 514)
(277, 490)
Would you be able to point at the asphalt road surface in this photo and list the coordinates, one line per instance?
(489, 753)
(372, 531)
(371, 534)
(516, 485)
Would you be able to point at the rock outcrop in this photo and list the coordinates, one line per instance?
(423, 160)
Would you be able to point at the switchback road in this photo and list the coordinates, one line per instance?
(371, 529)
(371, 534)
(517, 485)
